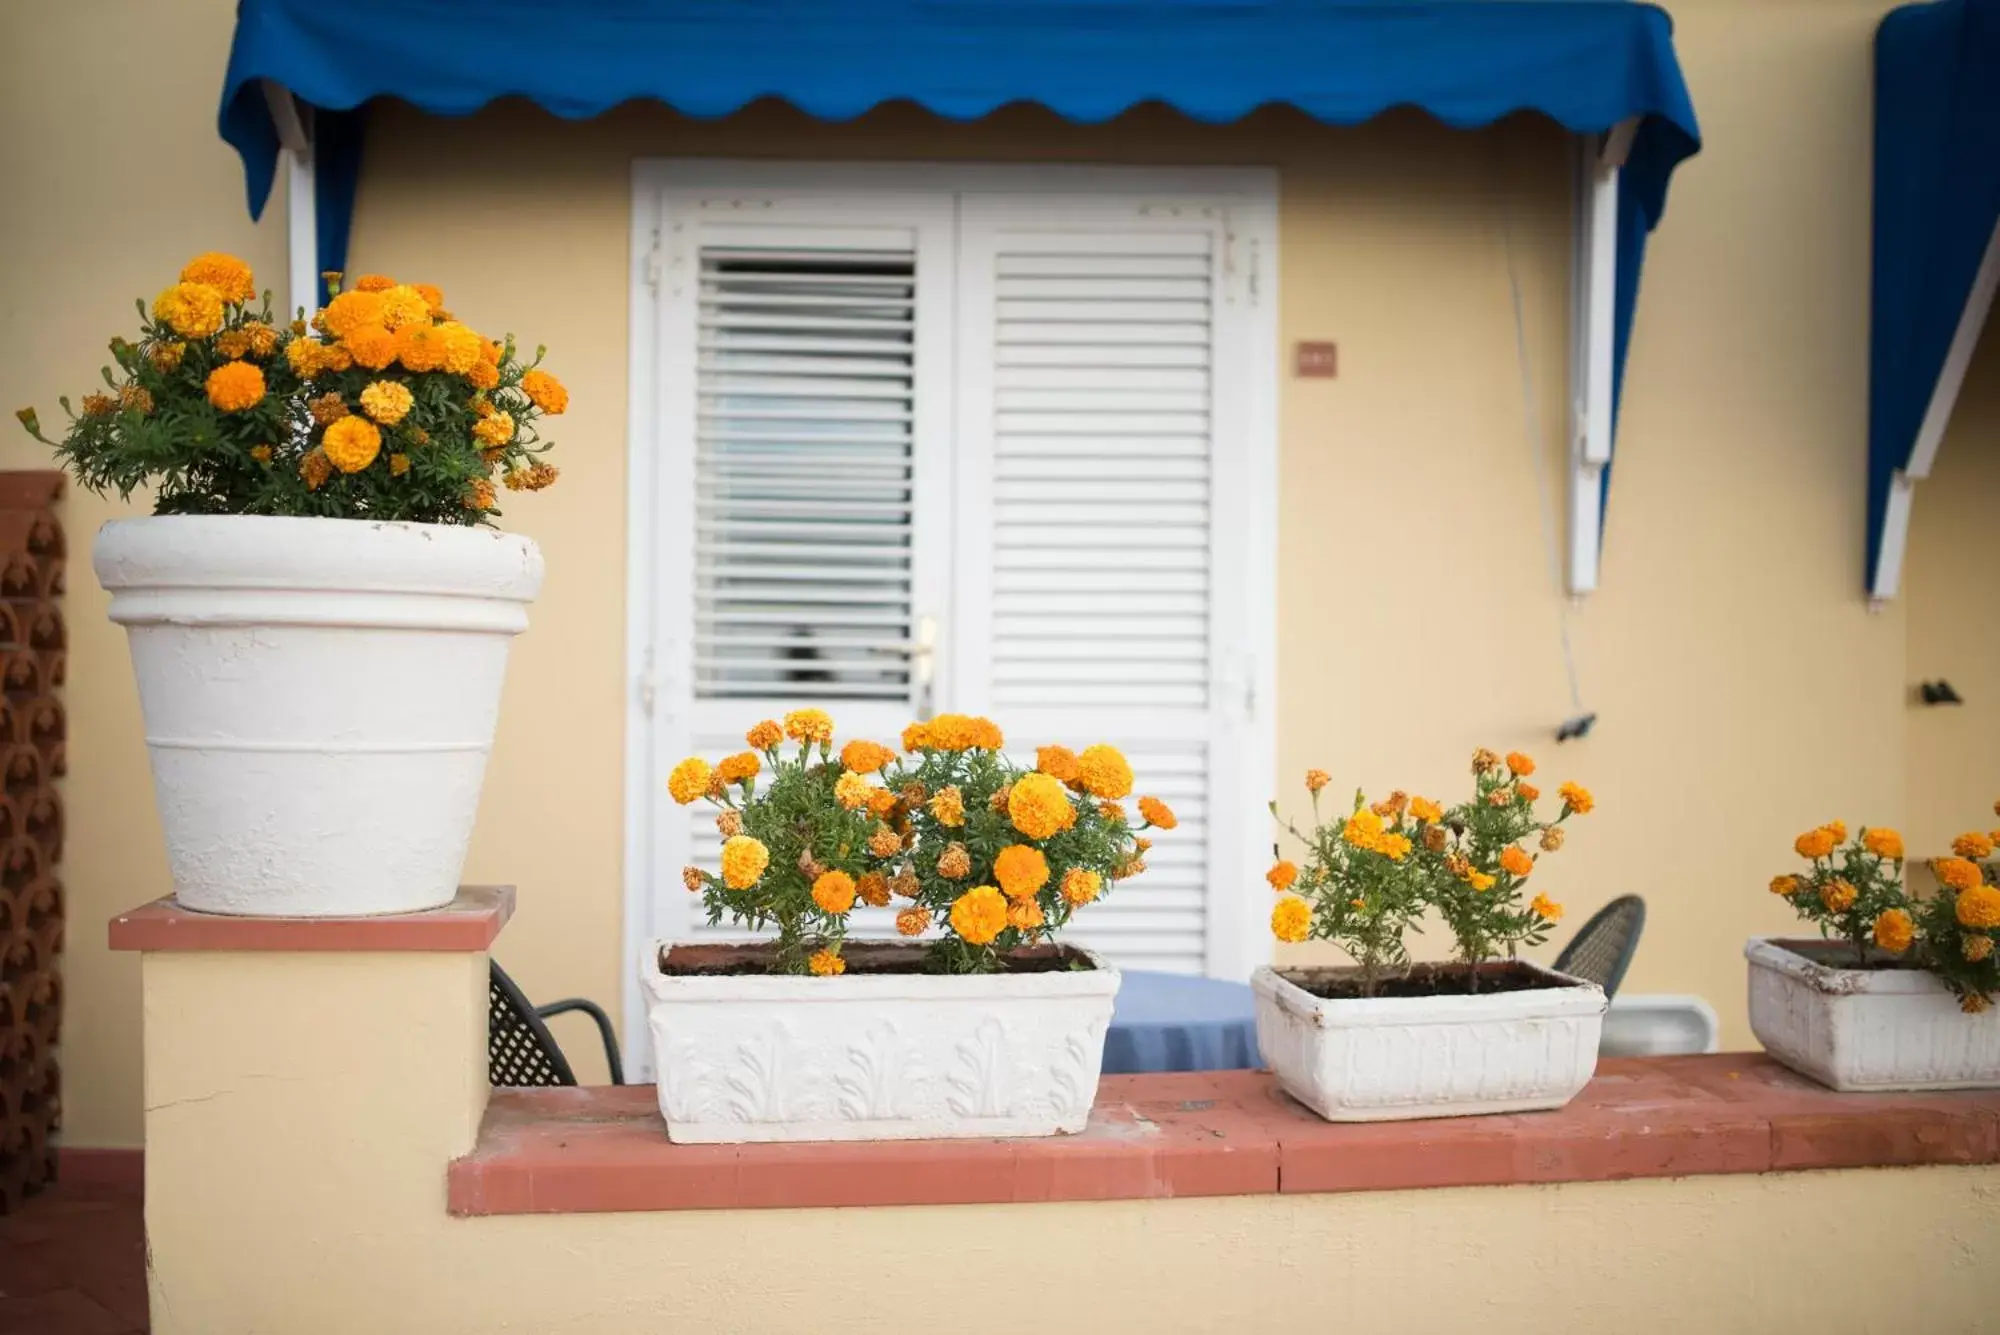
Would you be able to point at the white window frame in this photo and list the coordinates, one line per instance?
(1239, 940)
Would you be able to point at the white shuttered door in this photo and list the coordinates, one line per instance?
(1100, 591)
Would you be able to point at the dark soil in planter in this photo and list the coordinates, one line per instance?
(884, 957)
(1425, 980)
(1840, 955)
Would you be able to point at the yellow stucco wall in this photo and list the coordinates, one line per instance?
(1745, 690)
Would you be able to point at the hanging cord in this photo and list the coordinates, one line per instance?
(1580, 722)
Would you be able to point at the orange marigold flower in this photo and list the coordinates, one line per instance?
(483, 376)
(461, 348)
(1058, 762)
(1038, 806)
(1291, 919)
(743, 861)
(261, 453)
(692, 878)
(1838, 895)
(873, 888)
(233, 343)
(1528, 791)
(1979, 907)
(235, 386)
(1025, 915)
(167, 356)
(914, 920)
(387, 401)
(419, 347)
(263, 338)
(1317, 779)
(1785, 885)
(315, 468)
(1975, 948)
(404, 307)
(1546, 909)
(1503, 796)
(137, 398)
(430, 292)
(351, 444)
(1021, 871)
(1436, 838)
(1158, 813)
(1484, 761)
(1426, 810)
(371, 346)
(399, 464)
(351, 311)
(99, 405)
(327, 409)
(743, 765)
(1129, 868)
(905, 883)
(1519, 765)
(1080, 886)
(865, 757)
(689, 780)
(1838, 829)
(1114, 811)
(1282, 875)
(728, 823)
(949, 807)
(1955, 872)
(954, 864)
(228, 275)
(979, 915)
(1894, 931)
(1577, 798)
(1815, 844)
(763, 736)
(494, 431)
(826, 964)
(303, 356)
(809, 725)
(334, 357)
(1972, 844)
(1883, 843)
(545, 392)
(834, 892)
(373, 282)
(884, 842)
(917, 737)
(851, 791)
(1104, 772)
(192, 310)
(881, 802)
(1515, 862)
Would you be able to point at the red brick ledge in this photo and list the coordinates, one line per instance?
(569, 1151)
(468, 923)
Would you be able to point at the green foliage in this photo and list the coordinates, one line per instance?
(1365, 889)
(1479, 877)
(1846, 889)
(1962, 958)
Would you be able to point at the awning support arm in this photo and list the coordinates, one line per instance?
(293, 121)
(1594, 288)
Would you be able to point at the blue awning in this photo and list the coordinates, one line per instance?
(1588, 65)
(1937, 198)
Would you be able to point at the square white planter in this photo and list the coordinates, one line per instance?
(1862, 1029)
(876, 1056)
(1383, 1059)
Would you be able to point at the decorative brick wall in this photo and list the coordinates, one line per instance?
(33, 645)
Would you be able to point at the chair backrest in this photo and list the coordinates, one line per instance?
(1602, 949)
(520, 1051)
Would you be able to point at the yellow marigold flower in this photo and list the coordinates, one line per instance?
(1577, 798)
(1113, 811)
(1894, 931)
(1317, 779)
(763, 736)
(692, 878)
(228, 275)
(403, 306)
(431, 293)
(728, 823)
(235, 386)
(1394, 847)
(1974, 1003)
(834, 892)
(1058, 762)
(913, 921)
(545, 392)
(1104, 772)
(420, 347)
(884, 842)
(1282, 875)
(373, 282)
(371, 346)
(865, 757)
(1815, 843)
(192, 310)
(261, 453)
(1979, 907)
(743, 765)
(873, 887)
(1426, 810)
(167, 356)
(315, 468)
(1291, 919)
(1021, 871)
(851, 791)
(1363, 830)
(743, 861)
(1785, 885)
(979, 915)
(1552, 838)
(387, 401)
(1838, 895)
(399, 464)
(1080, 886)
(1955, 872)
(1158, 813)
(351, 311)
(1025, 915)
(1972, 844)
(1528, 791)
(263, 338)
(954, 864)
(1883, 843)
(461, 348)
(483, 376)
(805, 725)
(1038, 806)
(826, 964)
(1975, 949)
(334, 357)
(1479, 880)
(949, 807)
(303, 356)
(689, 780)
(1515, 862)
(1519, 765)
(1545, 908)
(351, 444)
(1484, 761)
(233, 343)
(495, 431)
(1838, 829)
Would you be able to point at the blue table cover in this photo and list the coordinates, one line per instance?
(1173, 1022)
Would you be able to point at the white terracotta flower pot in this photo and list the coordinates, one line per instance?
(319, 697)
(1383, 1059)
(1860, 1029)
(876, 1056)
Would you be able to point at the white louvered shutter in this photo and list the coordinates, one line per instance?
(806, 347)
(1100, 531)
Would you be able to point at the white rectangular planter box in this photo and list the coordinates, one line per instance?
(876, 1056)
(1384, 1059)
(1862, 1029)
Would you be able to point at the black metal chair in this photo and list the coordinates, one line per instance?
(1602, 949)
(520, 1050)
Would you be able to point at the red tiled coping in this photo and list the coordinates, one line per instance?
(566, 1151)
(468, 923)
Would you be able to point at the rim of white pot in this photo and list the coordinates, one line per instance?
(1101, 979)
(1573, 996)
(1776, 953)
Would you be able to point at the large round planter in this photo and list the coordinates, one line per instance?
(876, 1056)
(1380, 1059)
(319, 697)
(1863, 1029)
